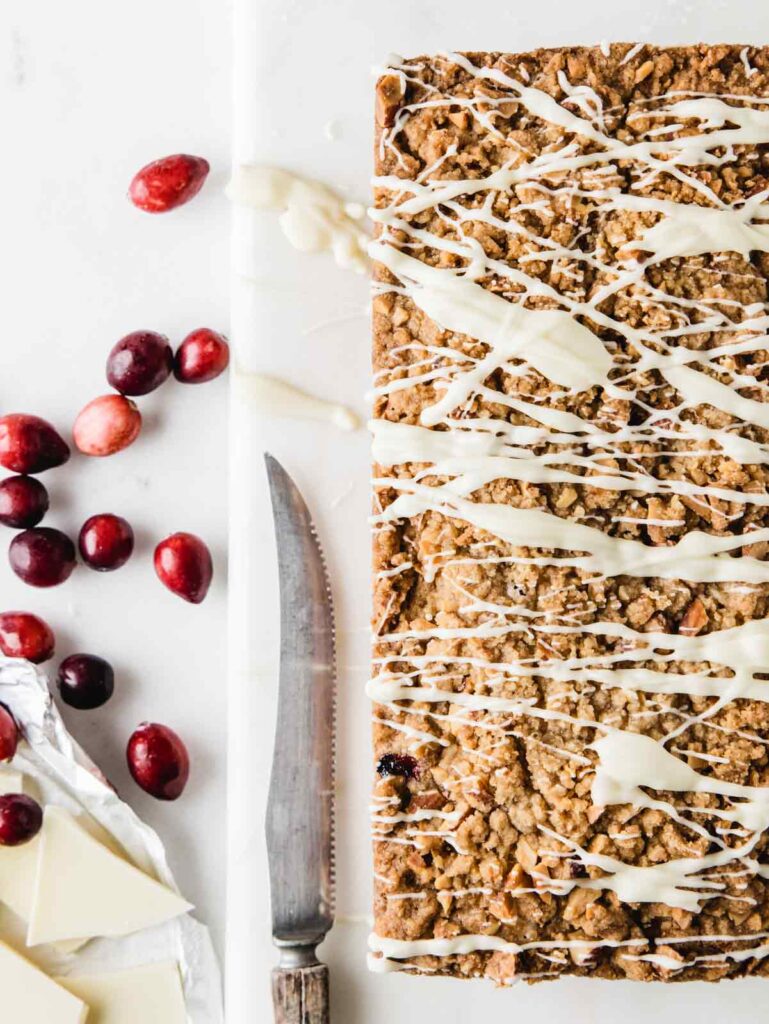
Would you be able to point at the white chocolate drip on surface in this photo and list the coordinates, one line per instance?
(275, 397)
(528, 330)
(313, 217)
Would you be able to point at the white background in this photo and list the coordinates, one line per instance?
(88, 92)
(301, 64)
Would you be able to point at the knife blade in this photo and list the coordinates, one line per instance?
(300, 809)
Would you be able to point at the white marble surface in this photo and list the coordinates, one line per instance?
(302, 65)
(88, 93)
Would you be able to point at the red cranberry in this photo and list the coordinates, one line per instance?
(85, 681)
(23, 502)
(23, 635)
(106, 542)
(42, 557)
(21, 818)
(183, 563)
(9, 734)
(29, 444)
(167, 183)
(398, 764)
(107, 425)
(201, 357)
(158, 761)
(139, 363)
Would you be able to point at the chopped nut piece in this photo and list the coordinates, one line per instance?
(695, 618)
(389, 94)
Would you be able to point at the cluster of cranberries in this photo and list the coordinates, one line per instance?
(138, 364)
(45, 557)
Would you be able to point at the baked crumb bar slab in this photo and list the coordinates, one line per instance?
(571, 438)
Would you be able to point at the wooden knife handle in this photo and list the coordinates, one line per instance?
(300, 995)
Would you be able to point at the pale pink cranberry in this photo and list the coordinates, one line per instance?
(9, 734)
(158, 761)
(107, 425)
(202, 356)
(21, 818)
(29, 444)
(169, 182)
(106, 542)
(24, 635)
(183, 563)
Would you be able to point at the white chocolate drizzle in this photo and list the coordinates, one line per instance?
(518, 324)
(553, 342)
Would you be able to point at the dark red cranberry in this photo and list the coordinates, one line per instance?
(85, 681)
(23, 635)
(106, 542)
(21, 818)
(158, 761)
(9, 734)
(201, 357)
(169, 182)
(42, 557)
(398, 764)
(183, 563)
(29, 444)
(140, 362)
(23, 502)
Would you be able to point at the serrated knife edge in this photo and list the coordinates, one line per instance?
(300, 813)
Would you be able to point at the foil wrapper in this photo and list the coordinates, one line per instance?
(62, 773)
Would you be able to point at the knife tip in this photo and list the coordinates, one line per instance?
(276, 474)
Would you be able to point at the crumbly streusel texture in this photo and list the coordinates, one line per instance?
(502, 779)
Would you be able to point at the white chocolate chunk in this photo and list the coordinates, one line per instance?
(30, 997)
(83, 890)
(18, 868)
(143, 995)
(11, 781)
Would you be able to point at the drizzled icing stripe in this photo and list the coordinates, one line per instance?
(471, 943)
(697, 556)
(551, 341)
(470, 452)
(388, 955)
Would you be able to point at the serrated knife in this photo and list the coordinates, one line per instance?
(300, 808)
